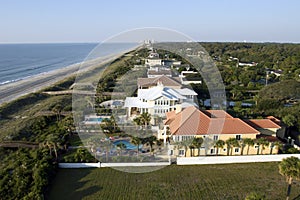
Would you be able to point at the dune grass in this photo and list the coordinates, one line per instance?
(234, 181)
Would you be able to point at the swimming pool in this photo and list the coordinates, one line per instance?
(95, 119)
(129, 145)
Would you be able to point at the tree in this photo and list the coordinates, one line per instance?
(262, 142)
(110, 125)
(53, 143)
(121, 146)
(106, 144)
(136, 141)
(289, 120)
(290, 168)
(274, 144)
(143, 119)
(249, 142)
(197, 143)
(231, 142)
(219, 145)
(57, 109)
(150, 141)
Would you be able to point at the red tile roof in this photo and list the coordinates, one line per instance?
(192, 121)
(274, 119)
(269, 138)
(262, 123)
(217, 114)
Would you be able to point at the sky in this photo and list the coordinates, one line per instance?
(34, 21)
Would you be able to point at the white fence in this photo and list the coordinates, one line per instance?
(204, 160)
(78, 165)
(100, 165)
(232, 159)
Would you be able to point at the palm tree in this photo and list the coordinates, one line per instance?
(219, 145)
(197, 143)
(290, 168)
(261, 142)
(52, 142)
(121, 146)
(235, 143)
(136, 141)
(249, 142)
(107, 144)
(264, 143)
(242, 145)
(185, 144)
(274, 144)
(145, 118)
(231, 142)
(81, 154)
(57, 109)
(137, 121)
(150, 141)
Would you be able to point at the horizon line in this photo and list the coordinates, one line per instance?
(204, 41)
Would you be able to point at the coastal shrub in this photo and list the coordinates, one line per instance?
(13, 107)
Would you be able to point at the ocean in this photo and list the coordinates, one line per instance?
(21, 61)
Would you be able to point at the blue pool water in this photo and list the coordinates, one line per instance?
(95, 119)
(129, 146)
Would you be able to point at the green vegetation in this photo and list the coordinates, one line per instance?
(24, 173)
(43, 120)
(290, 168)
(235, 181)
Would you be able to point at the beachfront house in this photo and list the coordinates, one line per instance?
(159, 100)
(212, 125)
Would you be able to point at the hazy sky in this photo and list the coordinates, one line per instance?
(95, 20)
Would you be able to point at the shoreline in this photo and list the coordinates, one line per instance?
(14, 90)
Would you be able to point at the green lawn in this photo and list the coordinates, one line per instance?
(233, 181)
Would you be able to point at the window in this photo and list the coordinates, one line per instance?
(181, 152)
(238, 137)
(224, 149)
(212, 151)
(256, 146)
(236, 150)
(171, 152)
(216, 137)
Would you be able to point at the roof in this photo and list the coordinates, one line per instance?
(262, 123)
(160, 91)
(186, 91)
(268, 138)
(165, 80)
(217, 114)
(192, 121)
(274, 119)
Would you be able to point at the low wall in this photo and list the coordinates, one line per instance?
(78, 165)
(100, 165)
(231, 159)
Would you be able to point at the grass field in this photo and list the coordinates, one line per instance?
(233, 181)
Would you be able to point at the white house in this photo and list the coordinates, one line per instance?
(159, 100)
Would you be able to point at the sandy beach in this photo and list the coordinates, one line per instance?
(12, 91)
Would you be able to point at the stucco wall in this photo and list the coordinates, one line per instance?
(232, 159)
